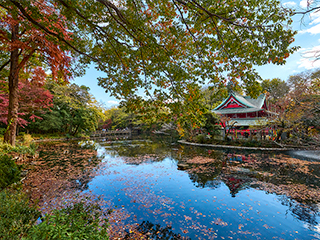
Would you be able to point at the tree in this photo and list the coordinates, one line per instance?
(74, 111)
(276, 89)
(227, 125)
(211, 124)
(20, 40)
(33, 99)
(119, 118)
(299, 110)
(213, 96)
(169, 47)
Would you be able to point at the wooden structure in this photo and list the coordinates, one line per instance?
(112, 134)
(244, 110)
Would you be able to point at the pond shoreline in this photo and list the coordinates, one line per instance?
(237, 147)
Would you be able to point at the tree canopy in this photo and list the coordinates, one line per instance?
(276, 88)
(162, 49)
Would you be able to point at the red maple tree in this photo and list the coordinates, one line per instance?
(33, 97)
(22, 41)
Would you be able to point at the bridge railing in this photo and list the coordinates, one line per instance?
(111, 133)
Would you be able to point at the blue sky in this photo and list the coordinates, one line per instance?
(308, 38)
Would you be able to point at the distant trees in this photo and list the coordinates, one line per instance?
(299, 109)
(74, 111)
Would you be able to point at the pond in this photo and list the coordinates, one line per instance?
(220, 194)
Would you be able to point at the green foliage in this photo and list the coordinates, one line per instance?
(214, 95)
(201, 138)
(75, 111)
(16, 215)
(211, 123)
(9, 171)
(2, 131)
(7, 148)
(79, 221)
(275, 87)
(26, 139)
(120, 118)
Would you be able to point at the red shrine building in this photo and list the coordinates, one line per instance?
(244, 110)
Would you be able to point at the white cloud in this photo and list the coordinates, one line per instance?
(305, 3)
(113, 102)
(314, 17)
(308, 58)
(289, 4)
(303, 49)
(313, 30)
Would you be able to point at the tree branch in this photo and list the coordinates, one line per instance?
(34, 22)
(4, 65)
(308, 11)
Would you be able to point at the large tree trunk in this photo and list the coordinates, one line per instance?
(10, 135)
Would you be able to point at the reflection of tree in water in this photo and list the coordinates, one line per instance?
(155, 231)
(82, 181)
(304, 212)
(287, 170)
(136, 152)
(235, 183)
(60, 167)
(204, 180)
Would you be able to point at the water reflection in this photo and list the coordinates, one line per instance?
(61, 167)
(156, 231)
(238, 172)
(236, 194)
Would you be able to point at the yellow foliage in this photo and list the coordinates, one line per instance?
(180, 130)
(26, 139)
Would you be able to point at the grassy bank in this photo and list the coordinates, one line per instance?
(21, 219)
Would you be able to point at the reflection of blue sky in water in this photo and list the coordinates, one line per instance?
(308, 155)
(159, 193)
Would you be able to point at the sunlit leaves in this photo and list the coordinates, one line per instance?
(169, 47)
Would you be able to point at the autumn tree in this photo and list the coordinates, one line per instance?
(275, 88)
(299, 110)
(20, 40)
(166, 49)
(33, 99)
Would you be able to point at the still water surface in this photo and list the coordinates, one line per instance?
(143, 179)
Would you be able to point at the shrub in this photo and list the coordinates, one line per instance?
(9, 171)
(201, 138)
(2, 131)
(26, 139)
(16, 216)
(79, 221)
(7, 148)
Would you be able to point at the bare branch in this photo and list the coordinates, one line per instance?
(308, 11)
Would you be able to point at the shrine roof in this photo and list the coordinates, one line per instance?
(249, 104)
